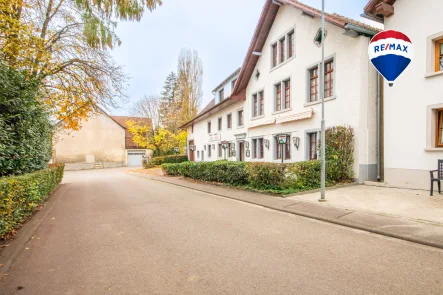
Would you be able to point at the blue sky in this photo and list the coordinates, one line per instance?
(219, 30)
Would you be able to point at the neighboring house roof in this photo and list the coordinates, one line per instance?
(263, 28)
(373, 5)
(121, 120)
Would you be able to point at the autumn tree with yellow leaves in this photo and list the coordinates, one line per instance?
(64, 45)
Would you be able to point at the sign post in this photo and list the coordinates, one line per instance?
(282, 138)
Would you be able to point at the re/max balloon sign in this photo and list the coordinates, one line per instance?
(391, 53)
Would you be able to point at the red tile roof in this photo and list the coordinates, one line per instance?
(121, 120)
(263, 28)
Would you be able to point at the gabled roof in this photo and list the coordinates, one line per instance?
(121, 120)
(263, 28)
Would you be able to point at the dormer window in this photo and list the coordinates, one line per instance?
(221, 94)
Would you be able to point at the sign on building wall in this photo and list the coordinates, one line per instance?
(215, 137)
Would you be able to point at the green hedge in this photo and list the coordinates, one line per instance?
(233, 173)
(279, 178)
(20, 195)
(158, 161)
(272, 177)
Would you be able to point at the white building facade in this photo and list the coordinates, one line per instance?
(413, 108)
(277, 93)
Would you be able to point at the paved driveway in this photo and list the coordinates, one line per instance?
(114, 233)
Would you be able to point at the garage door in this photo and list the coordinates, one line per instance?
(135, 158)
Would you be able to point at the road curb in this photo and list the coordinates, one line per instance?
(25, 233)
(307, 214)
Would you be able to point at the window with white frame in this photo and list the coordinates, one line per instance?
(220, 150)
(229, 121)
(209, 150)
(257, 148)
(314, 78)
(282, 94)
(221, 94)
(283, 49)
(220, 124)
(258, 104)
(209, 127)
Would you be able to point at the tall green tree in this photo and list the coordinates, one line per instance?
(25, 129)
(64, 45)
(168, 105)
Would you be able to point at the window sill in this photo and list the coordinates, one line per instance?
(258, 117)
(282, 111)
(430, 75)
(434, 149)
(308, 104)
(240, 127)
(282, 64)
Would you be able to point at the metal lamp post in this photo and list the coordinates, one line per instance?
(322, 97)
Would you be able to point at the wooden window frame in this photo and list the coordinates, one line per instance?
(315, 87)
(278, 150)
(291, 41)
(288, 148)
(254, 148)
(240, 118)
(221, 94)
(261, 148)
(438, 128)
(438, 54)
(278, 104)
(274, 55)
(262, 103)
(330, 74)
(313, 143)
(287, 85)
(220, 123)
(282, 49)
(255, 105)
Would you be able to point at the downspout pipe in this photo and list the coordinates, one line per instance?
(371, 34)
(378, 127)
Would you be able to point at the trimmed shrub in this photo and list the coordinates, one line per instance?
(158, 161)
(266, 175)
(233, 173)
(171, 169)
(20, 195)
(25, 129)
(340, 144)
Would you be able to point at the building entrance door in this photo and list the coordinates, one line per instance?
(241, 151)
(191, 153)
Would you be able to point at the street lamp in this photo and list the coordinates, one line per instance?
(322, 97)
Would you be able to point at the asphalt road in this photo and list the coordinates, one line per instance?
(114, 233)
